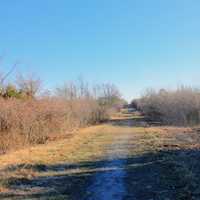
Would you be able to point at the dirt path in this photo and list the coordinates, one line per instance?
(110, 183)
(122, 160)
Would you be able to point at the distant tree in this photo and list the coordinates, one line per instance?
(4, 77)
(83, 89)
(68, 91)
(179, 107)
(29, 86)
(11, 92)
(109, 95)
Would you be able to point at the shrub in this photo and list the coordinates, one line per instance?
(178, 107)
(27, 118)
(27, 122)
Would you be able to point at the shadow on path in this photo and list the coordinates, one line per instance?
(136, 122)
(149, 176)
(163, 175)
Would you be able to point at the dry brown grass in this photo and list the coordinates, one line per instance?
(78, 148)
(91, 144)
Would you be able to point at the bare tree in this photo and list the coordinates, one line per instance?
(74, 90)
(109, 94)
(8, 73)
(30, 86)
(83, 89)
(180, 107)
(68, 91)
(4, 77)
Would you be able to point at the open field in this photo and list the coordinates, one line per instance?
(125, 158)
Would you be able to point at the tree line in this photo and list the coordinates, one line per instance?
(173, 107)
(30, 116)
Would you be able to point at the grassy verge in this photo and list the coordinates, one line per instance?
(162, 162)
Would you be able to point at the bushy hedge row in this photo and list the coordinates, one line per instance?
(25, 122)
(178, 107)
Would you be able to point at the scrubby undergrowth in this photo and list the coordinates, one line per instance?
(25, 122)
(178, 107)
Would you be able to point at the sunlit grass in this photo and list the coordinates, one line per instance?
(92, 145)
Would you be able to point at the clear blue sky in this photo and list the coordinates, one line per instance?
(135, 44)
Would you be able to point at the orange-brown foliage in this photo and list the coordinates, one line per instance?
(25, 122)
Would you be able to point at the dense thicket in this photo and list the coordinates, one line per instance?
(178, 107)
(27, 117)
